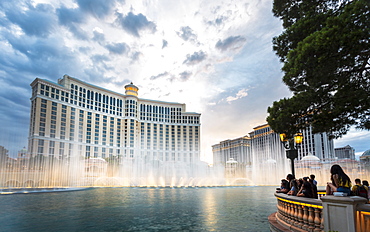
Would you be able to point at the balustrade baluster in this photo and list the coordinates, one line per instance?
(300, 216)
(317, 220)
(305, 218)
(311, 216)
(292, 213)
(322, 221)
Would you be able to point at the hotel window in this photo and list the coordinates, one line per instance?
(87, 152)
(96, 151)
(103, 152)
(70, 150)
(61, 149)
(51, 147)
(40, 149)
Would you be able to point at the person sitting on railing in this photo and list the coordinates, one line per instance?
(306, 190)
(284, 187)
(293, 188)
(340, 181)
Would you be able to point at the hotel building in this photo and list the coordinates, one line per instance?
(75, 118)
(264, 145)
(237, 149)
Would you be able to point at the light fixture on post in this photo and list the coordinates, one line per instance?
(291, 144)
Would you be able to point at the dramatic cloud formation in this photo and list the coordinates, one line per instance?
(195, 58)
(133, 24)
(214, 56)
(231, 43)
(187, 34)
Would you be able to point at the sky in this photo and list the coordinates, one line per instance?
(215, 56)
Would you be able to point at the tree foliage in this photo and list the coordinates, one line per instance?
(326, 54)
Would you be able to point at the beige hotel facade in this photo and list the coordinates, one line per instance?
(74, 118)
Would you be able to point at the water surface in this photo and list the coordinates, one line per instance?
(140, 209)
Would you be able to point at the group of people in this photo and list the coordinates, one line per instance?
(340, 182)
(302, 187)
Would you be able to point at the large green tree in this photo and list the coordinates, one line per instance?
(325, 50)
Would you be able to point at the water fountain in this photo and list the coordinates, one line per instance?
(50, 173)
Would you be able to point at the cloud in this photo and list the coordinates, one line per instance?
(195, 58)
(218, 21)
(97, 8)
(159, 76)
(136, 56)
(164, 43)
(68, 16)
(187, 34)
(98, 36)
(242, 93)
(118, 48)
(231, 43)
(36, 21)
(71, 18)
(133, 24)
(184, 76)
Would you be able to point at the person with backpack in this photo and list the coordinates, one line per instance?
(360, 190)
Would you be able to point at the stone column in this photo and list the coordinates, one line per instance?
(340, 212)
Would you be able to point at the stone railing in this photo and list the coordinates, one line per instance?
(363, 218)
(329, 213)
(299, 213)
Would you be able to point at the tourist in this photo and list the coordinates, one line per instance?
(284, 187)
(290, 177)
(340, 181)
(312, 177)
(299, 184)
(314, 188)
(366, 183)
(360, 190)
(306, 190)
(293, 188)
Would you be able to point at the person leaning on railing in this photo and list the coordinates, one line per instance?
(284, 187)
(340, 181)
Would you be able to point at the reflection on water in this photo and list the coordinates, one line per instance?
(140, 209)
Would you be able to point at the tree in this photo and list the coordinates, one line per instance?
(326, 54)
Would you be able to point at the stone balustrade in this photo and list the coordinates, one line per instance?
(329, 213)
(299, 213)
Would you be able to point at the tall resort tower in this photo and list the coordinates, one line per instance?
(75, 118)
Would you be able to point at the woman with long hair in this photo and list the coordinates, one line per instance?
(340, 182)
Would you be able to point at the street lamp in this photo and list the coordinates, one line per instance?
(291, 144)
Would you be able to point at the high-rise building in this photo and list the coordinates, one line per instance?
(263, 144)
(346, 152)
(238, 150)
(318, 145)
(73, 117)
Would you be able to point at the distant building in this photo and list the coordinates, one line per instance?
(318, 145)
(236, 149)
(3, 152)
(72, 117)
(264, 145)
(346, 152)
(22, 154)
(365, 157)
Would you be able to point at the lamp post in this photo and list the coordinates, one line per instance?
(291, 144)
